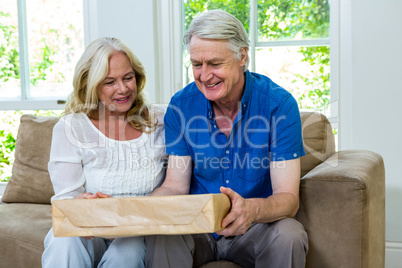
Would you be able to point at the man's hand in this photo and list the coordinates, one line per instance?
(240, 217)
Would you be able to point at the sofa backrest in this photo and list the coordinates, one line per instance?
(30, 180)
(318, 140)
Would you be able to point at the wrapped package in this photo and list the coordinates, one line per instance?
(137, 216)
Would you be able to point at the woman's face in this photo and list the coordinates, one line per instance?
(119, 89)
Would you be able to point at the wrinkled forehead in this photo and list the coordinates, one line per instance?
(216, 47)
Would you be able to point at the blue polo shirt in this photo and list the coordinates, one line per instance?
(267, 128)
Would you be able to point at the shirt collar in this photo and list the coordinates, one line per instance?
(210, 111)
(247, 90)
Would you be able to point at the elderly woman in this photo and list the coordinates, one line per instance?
(109, 143)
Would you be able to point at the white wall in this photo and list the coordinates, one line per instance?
(371, 96)
(131, 21)
(376, 95)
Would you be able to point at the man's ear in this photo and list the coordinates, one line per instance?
(243, 55)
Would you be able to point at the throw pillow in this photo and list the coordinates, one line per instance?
(30, 180)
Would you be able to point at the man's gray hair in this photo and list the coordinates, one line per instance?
(218, 24)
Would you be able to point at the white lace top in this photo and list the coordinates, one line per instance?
(83, 159)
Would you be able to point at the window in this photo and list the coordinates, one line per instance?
(289, 42)
(40, 42)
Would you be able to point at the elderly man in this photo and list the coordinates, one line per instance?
(239, 133)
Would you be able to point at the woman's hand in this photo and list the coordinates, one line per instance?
(86, 196)
(102, 195)
(92, 196)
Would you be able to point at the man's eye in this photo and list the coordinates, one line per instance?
(215, 65)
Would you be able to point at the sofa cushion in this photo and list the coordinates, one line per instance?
(23, 228)
(30, 180)
(318, 140)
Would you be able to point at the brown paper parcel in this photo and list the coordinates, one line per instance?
(135, 216)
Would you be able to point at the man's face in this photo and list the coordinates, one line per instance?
(217, 74)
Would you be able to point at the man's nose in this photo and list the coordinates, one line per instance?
(206, 73)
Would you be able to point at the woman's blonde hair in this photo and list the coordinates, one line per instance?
(92, 68)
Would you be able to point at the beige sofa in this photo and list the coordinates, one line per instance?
(342, 203)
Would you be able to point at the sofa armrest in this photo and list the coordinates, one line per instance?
(342, 207)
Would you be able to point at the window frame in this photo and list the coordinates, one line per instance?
(169, 29)
(255, 44)
(332, 116)
(25, 102)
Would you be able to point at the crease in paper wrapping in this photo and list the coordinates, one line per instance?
(137, 216)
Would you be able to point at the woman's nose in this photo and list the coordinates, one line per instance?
(121, 87)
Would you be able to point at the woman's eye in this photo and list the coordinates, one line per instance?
(109, 83)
